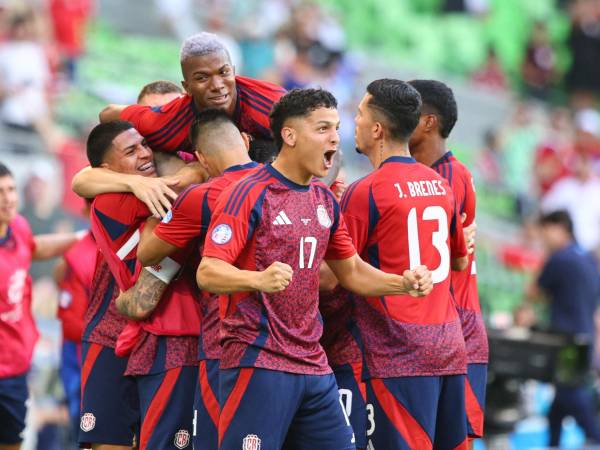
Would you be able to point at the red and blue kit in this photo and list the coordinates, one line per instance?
(166, 127)
(271, 341)
(466, 297)
(400, 216)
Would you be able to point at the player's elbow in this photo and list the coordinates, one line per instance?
(203, 275)
(461, 263)
(146, 256)
(108, 114)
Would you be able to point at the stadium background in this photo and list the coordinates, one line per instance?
(524, 87)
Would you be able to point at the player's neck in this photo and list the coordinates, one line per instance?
(431, 151)
(291, 170)
(234, 159)
(384, 152)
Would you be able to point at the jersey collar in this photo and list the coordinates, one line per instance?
(443, 159)
(238, 167)
(400, 159)
(289, 183)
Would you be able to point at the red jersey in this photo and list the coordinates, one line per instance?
(262, 219)
(18, 333)
(186, 226)
(76, 286)
(166, 127)
(116, 220)
(464, 283)
(400, 216)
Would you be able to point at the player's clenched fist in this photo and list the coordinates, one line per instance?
(418, 281)
(275, 278)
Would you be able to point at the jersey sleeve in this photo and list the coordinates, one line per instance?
(142, 118)
(340, 243)
(458, 246)
(468, 204)
(355, 211)
(189, 218)
(231, 226)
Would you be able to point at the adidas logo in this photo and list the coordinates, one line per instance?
(282, 219)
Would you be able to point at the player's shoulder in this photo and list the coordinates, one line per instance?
(259, 87)
(246, 190)
(20, 225)
(167, 110)
(191, 195)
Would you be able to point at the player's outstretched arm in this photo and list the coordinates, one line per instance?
(52, 245)
(219, 277)
(156, 193)
(111, 112)
(361, 278)
(459, 264)
(139, 301)
(152, 249)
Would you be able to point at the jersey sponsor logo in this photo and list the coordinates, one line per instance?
(88, 422)
(251, 442)
(168, 217)
(282, 219)
(182, 439)
(323, 217)
(221, 234)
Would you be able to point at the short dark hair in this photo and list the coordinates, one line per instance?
(5, 171)
(159, 87)
(262, 150)
(101, 138)
(206, 120)
(439, 98)
(398, 103)
(560, 217)
(297, 103)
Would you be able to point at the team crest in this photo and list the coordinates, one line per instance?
(323, 217)
(88, 422)
(182, 439)
(221, 234)
(251, 442)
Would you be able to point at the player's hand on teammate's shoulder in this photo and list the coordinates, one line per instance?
(275, 278)
(418, 281)
(156, 193)
(469, 232)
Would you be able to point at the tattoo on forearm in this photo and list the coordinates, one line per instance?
(139, 301)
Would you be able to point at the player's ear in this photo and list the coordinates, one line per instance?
(289, 136)
(247, 138)
(185, 86)
(202, 160)
(377, 130)
(431, 122)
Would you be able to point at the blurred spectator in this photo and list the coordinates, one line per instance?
(24, 77)
(478, 7)
(578, 194)
(583, 77)
(491, 74)
(69, 24)
(538, 68)
(555, 152)
(569, 280)
(489, 160)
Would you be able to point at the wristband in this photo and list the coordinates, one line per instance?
(165, 270)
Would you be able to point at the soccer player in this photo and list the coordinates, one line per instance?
(268, 235)
(400, 216)
(209, 81)
(110, 421)
(155, 192)
(428, 146)
(222, 149)
(18, 333)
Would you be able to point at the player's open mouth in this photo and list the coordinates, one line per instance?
(328, 158)
(219, 99)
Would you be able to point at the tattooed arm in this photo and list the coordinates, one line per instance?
(139, 301)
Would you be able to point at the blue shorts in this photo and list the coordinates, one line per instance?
(407, 413)
(13, 395)
(475, 384)
(353, 393)
(166, 408)
(267, 410)
(206, 406)
(109, 401)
